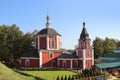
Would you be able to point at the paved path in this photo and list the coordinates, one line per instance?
(112, 78)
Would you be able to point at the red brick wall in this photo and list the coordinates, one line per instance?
(33, 63)
(46, 60)
(43, 43)
(61, 64)
(80, 53)
(88, 53)
(80, 63)
(90, 62)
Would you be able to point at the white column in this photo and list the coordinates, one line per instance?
(40, 59)
(38, 42)
(57, 42)
(47, 43)
(92, 56)
(71, 62)
(83, 53)
(77, 52)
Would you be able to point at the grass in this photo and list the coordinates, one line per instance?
(49, 75)
(8, 74)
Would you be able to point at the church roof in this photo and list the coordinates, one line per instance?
(84, 34)
(68, 55)
(48, 31)
(31, 53)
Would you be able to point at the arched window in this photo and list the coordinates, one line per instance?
(50, 54)
(52, 43)
(27, 62)
(53, 63)
(76, 63)
(88, 64)
(64, 64)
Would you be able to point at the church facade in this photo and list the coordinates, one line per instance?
(48, 53)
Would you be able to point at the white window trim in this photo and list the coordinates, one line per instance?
(27, 62)
(50, 55)
(64, 63)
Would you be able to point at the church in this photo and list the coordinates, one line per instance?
(49, 55)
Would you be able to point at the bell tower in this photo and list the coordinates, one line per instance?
(85, 51)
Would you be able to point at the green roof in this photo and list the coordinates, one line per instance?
(108, 59)
(117, 55)
(108, 65)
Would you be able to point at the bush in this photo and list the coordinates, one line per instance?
(58, 78)
(72, 78)
(65, 77)
(69, 78)
(62, 78)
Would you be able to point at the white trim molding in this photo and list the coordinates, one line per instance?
(57, 42)
(83, 53)
(40, 59)
(71, 63)
(47, 40)
(92, 56)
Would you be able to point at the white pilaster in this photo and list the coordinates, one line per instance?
(47, 43)
(92, 56)
(77, 52)
(40, 59)
(71, 63)
(84, 66)
(57, 42)
(38, 42)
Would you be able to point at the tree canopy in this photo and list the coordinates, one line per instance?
(13, 42)
(104, 47)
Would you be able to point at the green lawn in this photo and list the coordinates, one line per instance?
(8, 74)
(49, 75)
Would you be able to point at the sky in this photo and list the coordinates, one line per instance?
(102, 17)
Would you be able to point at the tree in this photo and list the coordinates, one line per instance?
(98, 47)
(109, 46)
(13, 43)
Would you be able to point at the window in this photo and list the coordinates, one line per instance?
(52, 43)
(88, 53)
(64, 64)
(53, 63)
(50, 55)
(27, 62)
(88, 64)
(76, 63)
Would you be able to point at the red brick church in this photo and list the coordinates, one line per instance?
(48, 53)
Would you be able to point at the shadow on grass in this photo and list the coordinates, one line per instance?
(25, 74)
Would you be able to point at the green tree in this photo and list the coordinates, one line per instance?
(13, 43)
(98, 47)
(109, 46)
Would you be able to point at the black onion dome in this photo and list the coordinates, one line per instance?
(48, 31)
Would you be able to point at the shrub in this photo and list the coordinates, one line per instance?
(65, 77)
(69, 78)
(62, 78)
(58, 78)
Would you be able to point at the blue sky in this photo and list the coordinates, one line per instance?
(102, 17)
